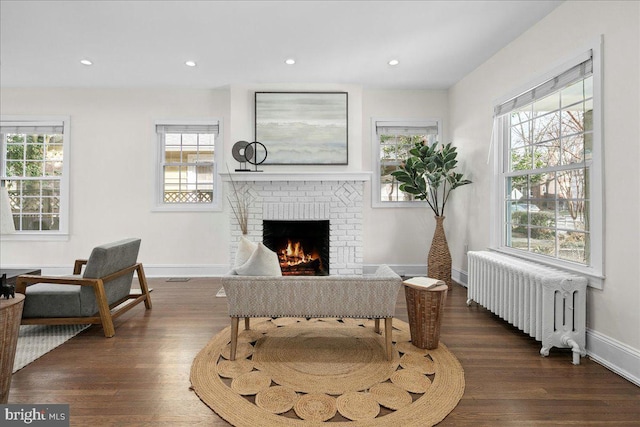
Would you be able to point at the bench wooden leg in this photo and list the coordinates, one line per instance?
(388, 321)
(234, 337)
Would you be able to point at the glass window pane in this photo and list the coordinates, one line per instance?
(30, 188)
(189, 139)
(389, 148)
(517, 187)
(571, 246)
(546, 105)
(572, 93)
(546, 154)
(573, 120)
(171, 156)
(30, 222)
(519, 237)
(518, 213)
(521, 114)
(15, 169)
(546, 127)
(588, 87)
(543, 241)
(35, 152)
(33, 168)
(190, 154)
(571, 184)
(15, 151)
(572, 215)
(573, 149)
(171, 174)
(520, 159)
(206, 140)
(172, 139)
(520, 135)
(30, 204)
(50, 205)
(50, 222)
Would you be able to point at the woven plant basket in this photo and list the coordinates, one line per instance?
(439, 259)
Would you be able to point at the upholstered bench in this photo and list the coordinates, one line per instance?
(369, 296)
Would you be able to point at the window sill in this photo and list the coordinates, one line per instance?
(187, 208)
(34, 237)
(596, 278)
(405, 204)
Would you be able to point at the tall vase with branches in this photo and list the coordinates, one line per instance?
(429, 174)
(239, 203)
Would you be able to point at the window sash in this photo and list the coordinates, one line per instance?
(193, 182)
(580, 68)
(386, 193)
(39, 201)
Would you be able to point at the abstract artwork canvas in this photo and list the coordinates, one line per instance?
(302, 128)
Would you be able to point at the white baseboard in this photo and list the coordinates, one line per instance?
(614, 355)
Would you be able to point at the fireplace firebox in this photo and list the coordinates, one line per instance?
(302, 246)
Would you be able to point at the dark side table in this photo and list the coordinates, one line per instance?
(13, 273)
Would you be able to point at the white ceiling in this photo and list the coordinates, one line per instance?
(145, 43)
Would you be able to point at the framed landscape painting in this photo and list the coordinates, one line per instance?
(302, 128)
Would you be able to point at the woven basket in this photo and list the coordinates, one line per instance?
(425, 309)
(439, 260)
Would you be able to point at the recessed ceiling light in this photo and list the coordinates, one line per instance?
(86, 62)
(290, 61)
(190, 63)
(394, 62)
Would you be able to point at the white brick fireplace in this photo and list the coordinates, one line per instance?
(336, 197)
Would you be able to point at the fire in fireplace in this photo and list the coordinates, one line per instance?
(302, 246)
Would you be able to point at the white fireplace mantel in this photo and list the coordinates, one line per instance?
(295, 176)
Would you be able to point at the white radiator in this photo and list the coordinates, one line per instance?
(548, 304)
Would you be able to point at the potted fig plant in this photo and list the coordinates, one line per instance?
(429, 174)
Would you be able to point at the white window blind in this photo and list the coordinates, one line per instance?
(210, 128)
(32, 128)
(390, 128)
(579, 71)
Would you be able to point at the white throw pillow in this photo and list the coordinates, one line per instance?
(245, 249)
(263, 262)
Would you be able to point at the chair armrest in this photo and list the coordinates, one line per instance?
(27, 280)
(77, 266)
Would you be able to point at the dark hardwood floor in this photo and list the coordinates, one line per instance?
(141, 376)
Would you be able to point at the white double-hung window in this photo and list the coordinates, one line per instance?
(393, 140)
(549, 174)
(187, 172)
(34, 169)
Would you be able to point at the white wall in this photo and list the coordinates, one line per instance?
(400, 236)
(112, 176)
(112, 171)
(613, 315)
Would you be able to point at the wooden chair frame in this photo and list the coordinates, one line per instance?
(107, 313)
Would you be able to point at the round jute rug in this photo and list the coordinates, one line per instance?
(298, 372)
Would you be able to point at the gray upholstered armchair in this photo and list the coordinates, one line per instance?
(95, 296)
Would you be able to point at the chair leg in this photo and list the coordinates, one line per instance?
(376, 328)
(143, 286)
(388, 326)
(246, 323)
(234, 337)
(103, 307)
